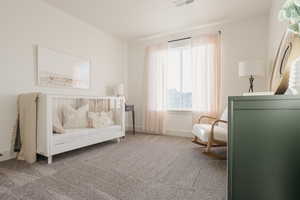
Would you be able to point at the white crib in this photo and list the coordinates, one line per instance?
(50, 144)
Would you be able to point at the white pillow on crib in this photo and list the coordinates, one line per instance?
(56, 121)
(101, 120)
(56, 125)
(73, 118)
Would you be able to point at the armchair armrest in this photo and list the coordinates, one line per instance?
(206, 117)
(215, 123)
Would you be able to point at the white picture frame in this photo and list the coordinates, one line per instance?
(60, 70)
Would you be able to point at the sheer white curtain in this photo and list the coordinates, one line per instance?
(206, 75)
(156, 88)
(205, 61)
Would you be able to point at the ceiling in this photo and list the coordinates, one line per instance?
(130, 19)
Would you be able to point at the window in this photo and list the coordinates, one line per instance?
(179, 77)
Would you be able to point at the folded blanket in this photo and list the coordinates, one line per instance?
(26, 137)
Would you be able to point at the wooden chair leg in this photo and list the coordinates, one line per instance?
(209, 144)
(196, 141)
(208, 151)
(204, 144)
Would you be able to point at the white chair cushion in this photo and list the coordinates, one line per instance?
(224, 115)
(202, 131)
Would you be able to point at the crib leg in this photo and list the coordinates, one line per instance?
(49, 160)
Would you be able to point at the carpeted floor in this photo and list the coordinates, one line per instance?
(141, 167)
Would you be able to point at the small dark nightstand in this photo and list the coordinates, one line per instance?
(129, 108)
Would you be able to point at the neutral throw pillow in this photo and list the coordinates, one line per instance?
(56, 122)
(101, 120)
(73, 118)
(57, 127)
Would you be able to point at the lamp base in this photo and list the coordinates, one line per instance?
(251, 80)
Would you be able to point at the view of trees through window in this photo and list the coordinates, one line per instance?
(179, 94)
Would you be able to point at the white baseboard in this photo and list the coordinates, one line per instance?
(180, 133)
(7, 155)
(170, 132)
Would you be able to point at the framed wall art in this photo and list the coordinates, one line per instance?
(55, 69)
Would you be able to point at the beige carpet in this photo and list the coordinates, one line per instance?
(141, 167)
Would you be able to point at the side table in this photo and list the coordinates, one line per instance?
(130, 108)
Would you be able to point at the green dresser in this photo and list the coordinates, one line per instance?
(264, 148)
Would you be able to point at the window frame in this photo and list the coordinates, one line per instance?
(181, 85)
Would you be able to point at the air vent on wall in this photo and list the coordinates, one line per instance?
(179, 3)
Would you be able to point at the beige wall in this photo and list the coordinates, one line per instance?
(32, 22)
(245, 39)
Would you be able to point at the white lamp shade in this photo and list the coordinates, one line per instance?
(251, 68)
(120, 90)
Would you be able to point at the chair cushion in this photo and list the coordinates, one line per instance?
(224, 115)
(202, 131)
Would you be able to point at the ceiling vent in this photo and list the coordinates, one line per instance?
(179, 3)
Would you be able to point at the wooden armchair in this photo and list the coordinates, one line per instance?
(210, 135)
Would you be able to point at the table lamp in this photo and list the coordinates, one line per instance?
(251, 69)
(119, 90)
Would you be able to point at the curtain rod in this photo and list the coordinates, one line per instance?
(187, 38)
